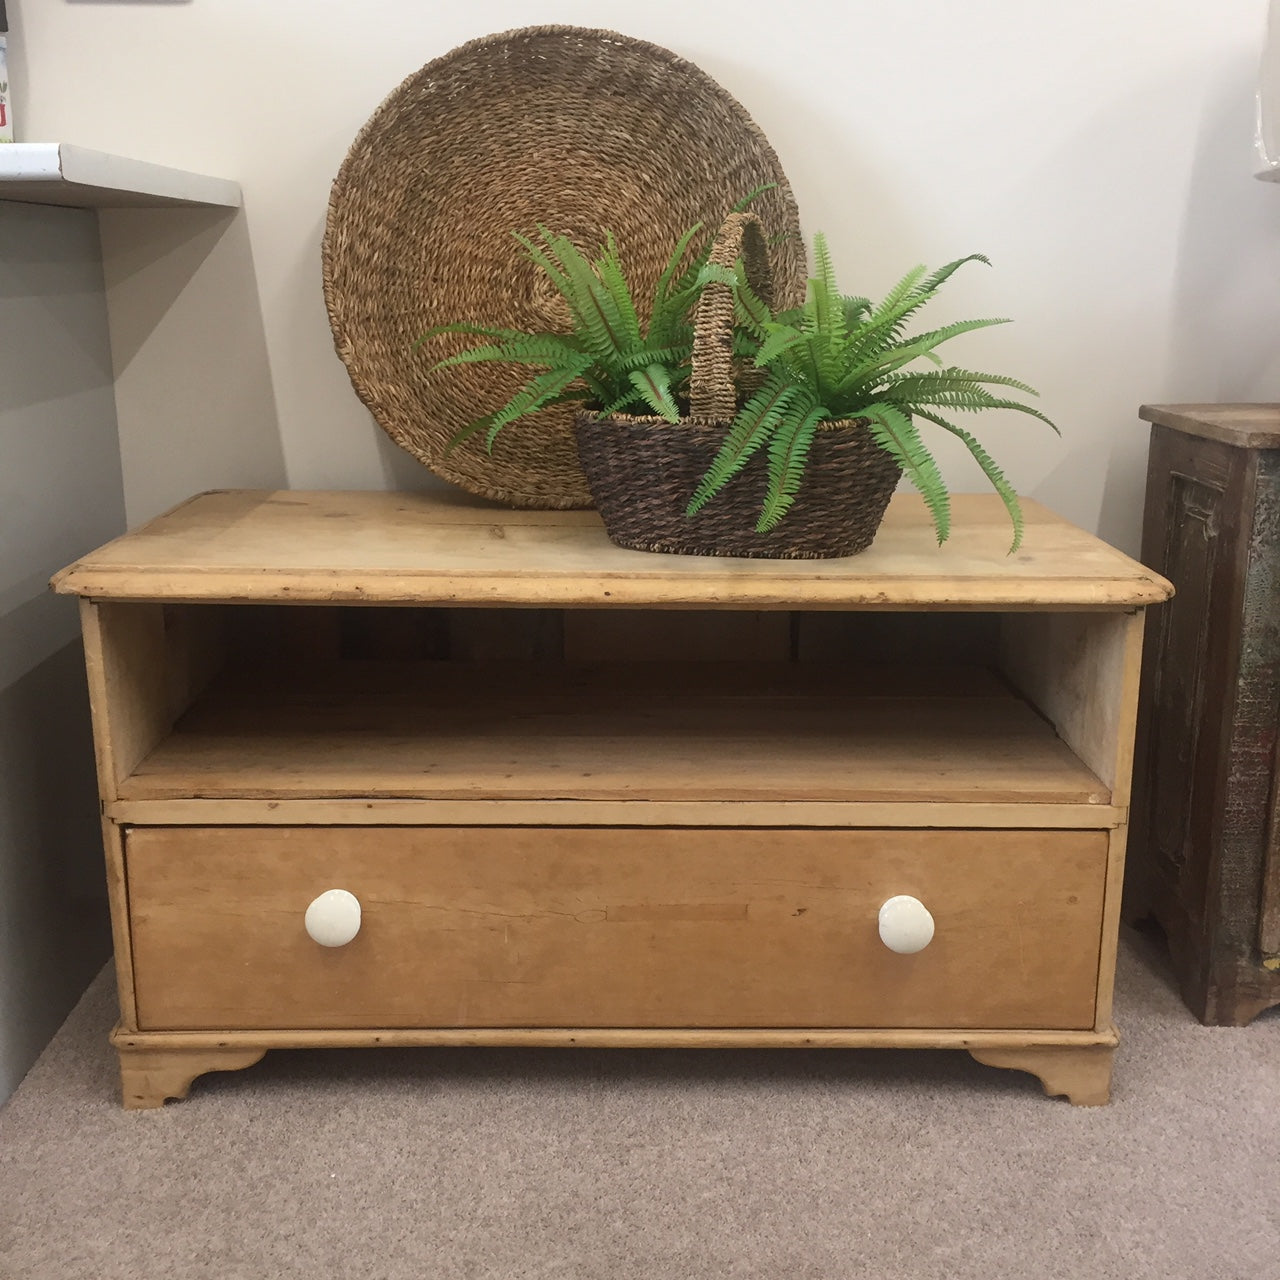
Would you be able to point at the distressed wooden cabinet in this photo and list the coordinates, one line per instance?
(1206, 857)
(392, 769)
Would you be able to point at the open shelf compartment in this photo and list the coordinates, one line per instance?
(310, 704)
(663, 732)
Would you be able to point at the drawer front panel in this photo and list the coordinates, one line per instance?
(535, 927)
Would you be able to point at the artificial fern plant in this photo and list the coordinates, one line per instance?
(611, 360)
(840, 358)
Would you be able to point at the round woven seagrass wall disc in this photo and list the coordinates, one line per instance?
(583, 131)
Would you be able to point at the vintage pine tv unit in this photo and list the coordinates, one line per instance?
(386, 769)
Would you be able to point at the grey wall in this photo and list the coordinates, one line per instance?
(61, 494)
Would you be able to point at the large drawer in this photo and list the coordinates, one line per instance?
(591, 927)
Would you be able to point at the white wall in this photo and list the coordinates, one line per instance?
(60, 496)
(1098, 151)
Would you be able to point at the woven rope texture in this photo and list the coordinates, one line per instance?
(584, 131)
(644, 470)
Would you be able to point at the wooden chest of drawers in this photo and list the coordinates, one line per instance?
(382, 769)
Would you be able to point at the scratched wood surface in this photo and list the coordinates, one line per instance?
(1206, 825)
(649, 732)
(371, 547)
(1244, 426)
(656, 928)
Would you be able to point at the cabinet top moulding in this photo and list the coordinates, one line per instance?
(1246, 426)
(62, 174)
(371, 547)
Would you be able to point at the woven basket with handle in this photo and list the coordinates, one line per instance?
(642, 471)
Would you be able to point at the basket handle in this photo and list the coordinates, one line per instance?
(712, 394)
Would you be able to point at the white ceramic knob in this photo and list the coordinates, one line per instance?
(333, 919)
(905, 925)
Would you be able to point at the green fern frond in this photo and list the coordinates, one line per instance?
(470, 330)
(882, 330)
(684, 288)
(952, 378)
(778, 338)
(991, 379)
(600, 387)
(678, 254)
(824, 271)
(567, 270)
(894, 432)
(993, 473)
(609, 269)
(751, 311)
(900, 296)
(667, 311)
(654, 385)
(751, 428)
(1018, 407)
(854, 309)
(827, 300)
(600, 326)
(715, 273)
(969, 399)
(889, 320)
(542, 348)
(934, 337)
(683, 291)
(471, 429)
(548, 265)
(788, 453)
(828, 330)
(606, 329)
(740, 206)
(532, 397)
(474, 355)
(932, 283)
(800, 359)
(627, 401)
(886, 360)
(670, 356)
(927, 289)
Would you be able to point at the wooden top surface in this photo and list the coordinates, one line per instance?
(1247, 426)
(370, 547)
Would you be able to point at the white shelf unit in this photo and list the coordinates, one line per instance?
(60, 173)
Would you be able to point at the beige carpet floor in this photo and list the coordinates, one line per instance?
(667, 1165)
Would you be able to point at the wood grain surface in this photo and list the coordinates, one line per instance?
(651, 732)
(622, 928)
(1206, 817)
(400, 548)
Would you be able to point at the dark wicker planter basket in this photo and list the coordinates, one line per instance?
(643, 471)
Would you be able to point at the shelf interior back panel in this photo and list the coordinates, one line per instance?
(660, 732)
